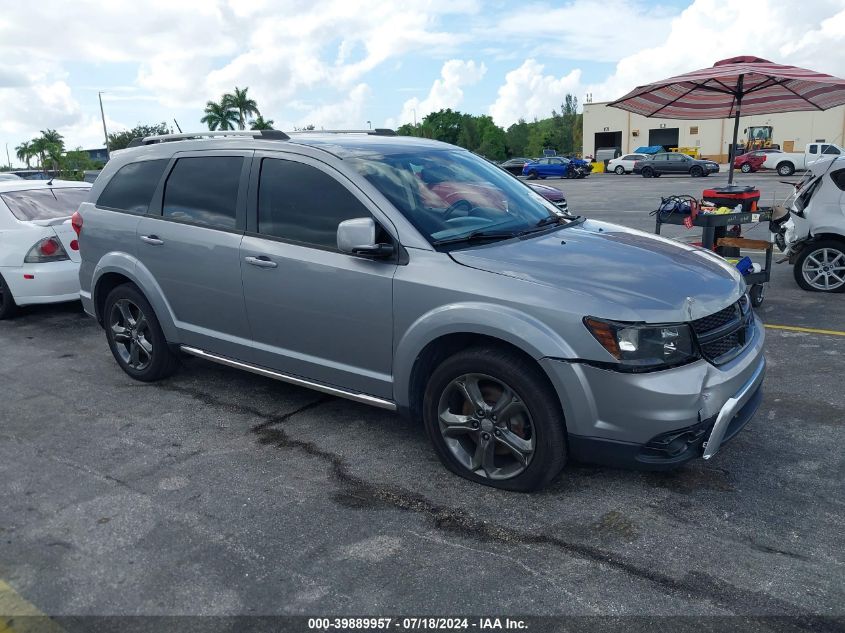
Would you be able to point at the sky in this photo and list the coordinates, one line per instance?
(344, 63)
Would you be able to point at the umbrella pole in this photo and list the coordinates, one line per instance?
(732, 153)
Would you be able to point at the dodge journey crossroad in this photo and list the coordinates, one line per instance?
(353, 264)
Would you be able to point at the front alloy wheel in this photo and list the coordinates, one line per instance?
(821, 267)
(486, 426)
(131, 334)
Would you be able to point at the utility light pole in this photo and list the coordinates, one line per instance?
(370, 124)
(103, 115)
(8, 160)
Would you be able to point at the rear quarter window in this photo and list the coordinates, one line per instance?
(46, 203)
(131, 189)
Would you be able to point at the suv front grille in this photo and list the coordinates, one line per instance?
(724, 334)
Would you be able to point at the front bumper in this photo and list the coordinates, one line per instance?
(51, 282)
(660, 419)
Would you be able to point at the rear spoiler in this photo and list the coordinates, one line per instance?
(52, 222)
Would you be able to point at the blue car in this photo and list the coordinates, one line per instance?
(556, 167)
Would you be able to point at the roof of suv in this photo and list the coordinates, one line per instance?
(25, 185)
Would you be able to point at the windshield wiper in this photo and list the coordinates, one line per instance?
(475, 236)
(566, 220)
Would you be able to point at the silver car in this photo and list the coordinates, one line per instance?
(412, 275)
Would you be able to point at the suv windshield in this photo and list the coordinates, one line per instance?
(45, 204)
(449, 195)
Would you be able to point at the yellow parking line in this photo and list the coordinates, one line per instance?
(809, 330)
(17, 615)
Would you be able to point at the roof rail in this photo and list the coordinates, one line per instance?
(273, 135)
(379, 131)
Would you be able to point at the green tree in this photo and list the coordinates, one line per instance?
(219, 116)
(516, 138)
(258, 123)
(53, 137)
(24, 152)
(120, 140)
(238, 100)
(73, 164)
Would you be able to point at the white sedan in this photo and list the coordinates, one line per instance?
(624, 164)
(39, 254)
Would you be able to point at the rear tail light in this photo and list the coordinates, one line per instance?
(76, 222)
(49, 249)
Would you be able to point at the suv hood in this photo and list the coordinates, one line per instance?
(622, 273)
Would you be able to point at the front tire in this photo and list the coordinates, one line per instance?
(745, 169)
(532, 175)
(494, 419)
(821, 267)
(135, 336)
(620, 171)
(8, 307)
(696, 171)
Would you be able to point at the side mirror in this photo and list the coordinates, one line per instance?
(358, 237)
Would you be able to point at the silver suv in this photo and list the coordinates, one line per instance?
(412, 275)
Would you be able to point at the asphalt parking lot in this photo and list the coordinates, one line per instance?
(218, 492)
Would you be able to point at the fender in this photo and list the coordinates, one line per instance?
(821, 232)
(135, 271)
(530, 335)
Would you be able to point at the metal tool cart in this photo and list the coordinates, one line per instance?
(715, 237)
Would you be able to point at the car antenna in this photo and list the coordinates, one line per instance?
(50, 182)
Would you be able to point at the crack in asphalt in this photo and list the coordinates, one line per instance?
(361, 494)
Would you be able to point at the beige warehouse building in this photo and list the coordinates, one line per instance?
(605, 127)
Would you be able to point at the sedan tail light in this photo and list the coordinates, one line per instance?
(49, 249)
(76, 222)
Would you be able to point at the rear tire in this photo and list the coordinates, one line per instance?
(8, 307)
(785, 169)
(648, 172)
(620, 170)
(135, 336)
(464, 413)
(745, 169)
(809, 269)
(532, 175)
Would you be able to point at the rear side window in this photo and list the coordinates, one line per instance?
(838, 177)
(303, 204)
(204, 190)
(45, 204)
(131, 188)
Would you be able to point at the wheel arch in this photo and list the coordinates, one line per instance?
(115, 269)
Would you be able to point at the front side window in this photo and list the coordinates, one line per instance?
(449, 195)
(204, 190)
(45, 204)
(131, 189)
(303, 204)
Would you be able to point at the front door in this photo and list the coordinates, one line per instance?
(190, 243)
(314, 312)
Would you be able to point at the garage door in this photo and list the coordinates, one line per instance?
(665, 136)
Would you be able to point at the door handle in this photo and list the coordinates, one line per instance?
(152, 239)
(262, 261)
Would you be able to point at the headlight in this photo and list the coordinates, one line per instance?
(644, 346)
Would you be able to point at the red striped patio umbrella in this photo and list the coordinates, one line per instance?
(747, 84)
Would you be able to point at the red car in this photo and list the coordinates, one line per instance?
(752, 161)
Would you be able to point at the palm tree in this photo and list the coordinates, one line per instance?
(53, 137)
(242, 103)
(24, 152)
(219, 116)
(39, 146)
(258, 123)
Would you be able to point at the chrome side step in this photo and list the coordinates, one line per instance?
(294, 380)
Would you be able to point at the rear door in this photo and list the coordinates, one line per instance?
(315, 312)
(190, 243)
(676, 164)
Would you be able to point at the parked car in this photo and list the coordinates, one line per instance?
(674, 163)
(556, 167)
(8, 176)
(753, 160)
(624, 164)
(521, 337)
(514, 165)
(812, 234)
(787, 163)
(39, 255)
(553, 195)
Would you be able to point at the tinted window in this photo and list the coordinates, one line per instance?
(301, 203)
(44, 204)
(132, 187)
(829, 149)
(204, 191)
(813, 149)
(838, 177)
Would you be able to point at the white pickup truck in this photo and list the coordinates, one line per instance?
(786, 163)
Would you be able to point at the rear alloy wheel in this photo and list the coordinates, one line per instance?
(493, 419)
(8, 307)
(786, 169)
(696, 171)
(135, 337)
(648, 172)
(821, 267)
(532, 175)
(620, 170)
(746, 168)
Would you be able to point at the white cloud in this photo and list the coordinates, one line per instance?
(528, 93)
(347, 114)
(446, 91)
